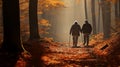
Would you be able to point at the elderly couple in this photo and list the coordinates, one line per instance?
(76, 30)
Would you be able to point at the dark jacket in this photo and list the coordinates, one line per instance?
(75, 30)
(86, 28)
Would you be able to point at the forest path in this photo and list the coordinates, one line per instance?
(64, 55)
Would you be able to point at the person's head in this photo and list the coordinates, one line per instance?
(86, 22)
(76, 22)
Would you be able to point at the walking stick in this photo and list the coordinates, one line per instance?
(69, 40)
(80, 39)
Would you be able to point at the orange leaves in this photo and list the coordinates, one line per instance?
(42, 6)
(24, 4)
(96, 39)
(49, 60)
(49, 4)
(112, 1)
(54, 3)
(44, 26)
(44, 22)
(26, 55)
(111, 45)
(48, 39)
(43, 31)
(39, 12)
(77, 1)
(20, 63)
(62, 55)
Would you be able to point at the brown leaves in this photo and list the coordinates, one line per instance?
(95, 39)
(63, 55)
(113, 44)
(49, 4)
(20, 63)
(44, 22)
(112, 1)
(44, 26)
(42, 5)
(49, 60)
(50, 40)
(43, 31)
(57, 54)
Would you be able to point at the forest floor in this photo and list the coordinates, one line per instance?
(62, 55)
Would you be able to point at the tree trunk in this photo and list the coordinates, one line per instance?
(119, 7)
(116, 13)
(85, 4)
(116, 10)
(99, 16)
(93, 16)
(34, 33)
(11, 46)
(106, 15)
(33, 20)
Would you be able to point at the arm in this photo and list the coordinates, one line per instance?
(90, 28)
(82, 28)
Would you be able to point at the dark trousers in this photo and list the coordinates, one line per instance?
(75, 41)
(86, 39)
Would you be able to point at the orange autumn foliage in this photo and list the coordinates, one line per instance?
(112, 1)
(48, 4)
(44, 24)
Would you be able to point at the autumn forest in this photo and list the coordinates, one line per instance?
(38, 33)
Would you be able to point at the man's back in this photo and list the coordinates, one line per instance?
(75, 29)
(86, 28)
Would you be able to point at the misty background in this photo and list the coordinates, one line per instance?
(61, 19)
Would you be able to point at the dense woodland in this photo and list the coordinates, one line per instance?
(24, 23)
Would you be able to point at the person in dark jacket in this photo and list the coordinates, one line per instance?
(75, 31)
(86, 30)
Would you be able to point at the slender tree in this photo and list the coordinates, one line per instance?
(11, 45)
(106, 15)
(119, 7)
(33, 20)
(116, 5)
(93, 16)
(85, 4)
(116, 9)
(34, 34)
(99, 14)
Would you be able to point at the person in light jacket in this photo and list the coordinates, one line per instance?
(75, 31)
